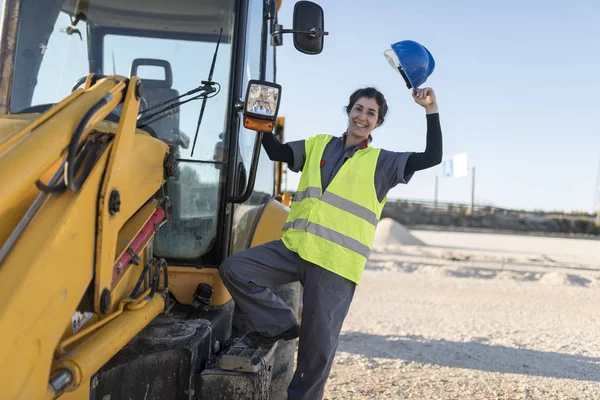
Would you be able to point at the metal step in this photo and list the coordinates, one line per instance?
(240, 373)
(241, 357)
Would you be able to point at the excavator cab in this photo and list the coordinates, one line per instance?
(138, 170)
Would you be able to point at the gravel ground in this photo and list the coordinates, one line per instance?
(473, 317)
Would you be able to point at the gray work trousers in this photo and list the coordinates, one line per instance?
(251, 274)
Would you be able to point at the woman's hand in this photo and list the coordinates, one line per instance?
(426, 98)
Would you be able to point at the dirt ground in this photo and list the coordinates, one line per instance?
(472, 316)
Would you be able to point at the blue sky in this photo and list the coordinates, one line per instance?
(517, 85)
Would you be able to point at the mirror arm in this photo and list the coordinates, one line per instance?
(314, 32)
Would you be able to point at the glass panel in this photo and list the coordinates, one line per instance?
(189, 62)
(192, 229)
(48, 60)
(251, 71)
(171, 46)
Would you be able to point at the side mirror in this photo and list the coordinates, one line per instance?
(308, 27)
(261, 105)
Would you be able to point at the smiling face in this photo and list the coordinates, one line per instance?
(363, 118)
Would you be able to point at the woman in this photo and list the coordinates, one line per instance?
(328, 235)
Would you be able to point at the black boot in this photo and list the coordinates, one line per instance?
(257, 339)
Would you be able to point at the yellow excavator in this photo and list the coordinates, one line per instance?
(130, 168)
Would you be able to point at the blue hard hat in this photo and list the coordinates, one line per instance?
(412, 60)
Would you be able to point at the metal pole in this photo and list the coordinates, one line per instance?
(9, 25)
(597, 196)
(473, 191)
(435, 195)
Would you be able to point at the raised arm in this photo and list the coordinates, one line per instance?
(433, 149)
(432, 155)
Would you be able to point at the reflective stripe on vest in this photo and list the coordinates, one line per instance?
(329, 234)
(339, 202)
(308, 193)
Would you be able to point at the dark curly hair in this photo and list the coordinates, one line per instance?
(370, 93)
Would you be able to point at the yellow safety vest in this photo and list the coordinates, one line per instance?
(335, 229)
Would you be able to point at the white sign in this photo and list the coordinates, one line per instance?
(457, 166)
(447, 167)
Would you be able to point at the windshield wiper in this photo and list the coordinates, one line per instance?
(210, 75)
(206, 90)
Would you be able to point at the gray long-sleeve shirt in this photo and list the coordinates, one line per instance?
(389, 171)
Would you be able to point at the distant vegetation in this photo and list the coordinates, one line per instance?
(571, 213)
(415, 213)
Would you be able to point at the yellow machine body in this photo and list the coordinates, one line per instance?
(103, 208)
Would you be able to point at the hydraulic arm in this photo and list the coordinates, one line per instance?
(78, 194)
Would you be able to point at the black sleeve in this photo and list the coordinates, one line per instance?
(433, 150)
(276, 150)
